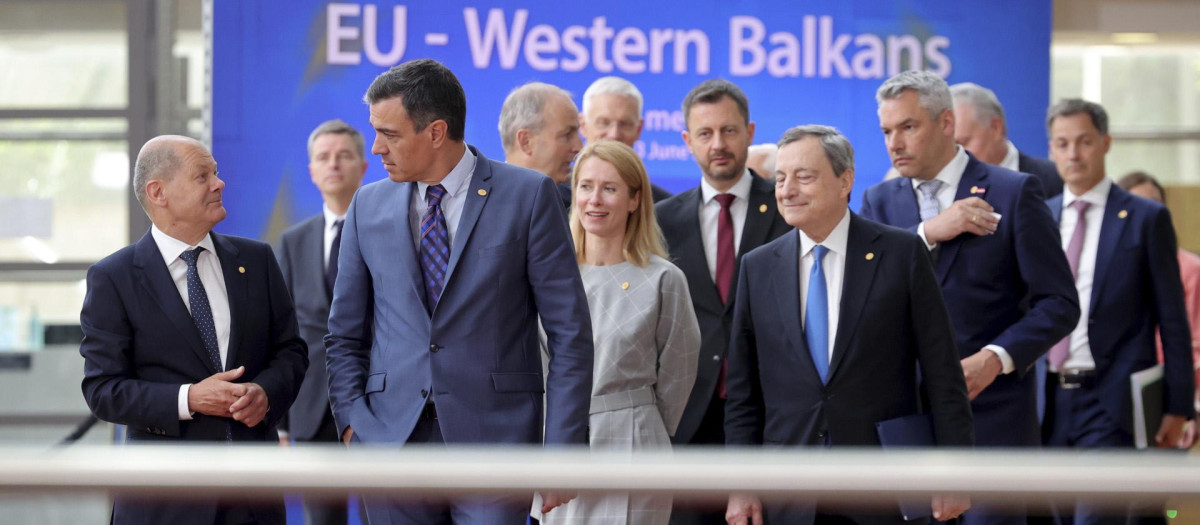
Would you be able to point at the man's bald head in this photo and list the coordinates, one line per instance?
(160, 159)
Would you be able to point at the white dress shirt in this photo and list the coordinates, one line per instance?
(1012, 159)
(1080, 357)
(710, 218)
(834, 266)
(330, 232)
(209, 268)
(456, 184)
(951, 176)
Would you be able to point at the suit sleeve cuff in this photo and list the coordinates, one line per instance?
(1005, 359)
(928, 245)
(184, 413)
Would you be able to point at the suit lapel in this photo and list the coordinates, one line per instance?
(234, 271)
(856, 284)
(1111, 227)
(905, 210)
(760, 214)
(689, 253)
(155, 279)
(974, 183)
(474, 199)
(785, 280)
(402, 230)
(312, 254)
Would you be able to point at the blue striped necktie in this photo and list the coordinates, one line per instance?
(816, 316)
(435, 245)
(930, 207)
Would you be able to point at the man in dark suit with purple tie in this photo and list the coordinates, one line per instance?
(1121, 249)
(1007, 285)
(189, 336)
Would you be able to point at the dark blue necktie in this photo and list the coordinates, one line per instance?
(816, 317)
(334, 249)
(435, 245)
(201, 311)
(202, 315)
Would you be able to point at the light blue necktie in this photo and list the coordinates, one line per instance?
(930, 207)
(816, 318)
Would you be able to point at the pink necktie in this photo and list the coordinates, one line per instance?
(725, 262)
(1061, 351)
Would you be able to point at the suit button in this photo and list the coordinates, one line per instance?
(826, 396)
(716, 358)
(424, 392)
(434, 348)
(822, 434)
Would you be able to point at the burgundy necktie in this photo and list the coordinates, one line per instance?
(724, 277)
(1061, 351)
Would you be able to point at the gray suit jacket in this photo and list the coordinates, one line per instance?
(301, 257)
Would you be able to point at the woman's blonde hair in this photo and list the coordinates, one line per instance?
(643, 237)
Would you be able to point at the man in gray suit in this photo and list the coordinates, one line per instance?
(308, 257)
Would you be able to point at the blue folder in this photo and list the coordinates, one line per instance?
(915, 431)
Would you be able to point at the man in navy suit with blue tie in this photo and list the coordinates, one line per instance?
(832, 324)
(1121, 249)
(189, 335)
(1006, 283)
(443, 273)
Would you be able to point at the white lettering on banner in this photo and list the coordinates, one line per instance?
(662, 120)
(506, 38)
(633, 50)
(336, 33)
(824, 53)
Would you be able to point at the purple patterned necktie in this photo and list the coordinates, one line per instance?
(435, 245)
(1061, 351)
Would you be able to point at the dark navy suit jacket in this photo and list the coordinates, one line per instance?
(1137, 290)
(302, 259)
(477, 355)
(1013, 288)
(140, 344)
(893, 322)
(1044, 171)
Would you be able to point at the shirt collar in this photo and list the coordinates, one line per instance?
(170, 248)
(836, 240)
(453, 183)
(1012, 159)
(740, 189)
(330, 217)
(1096, 196)
(952, 172)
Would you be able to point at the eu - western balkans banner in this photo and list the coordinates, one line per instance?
(281, 67)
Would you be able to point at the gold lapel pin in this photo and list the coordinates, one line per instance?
(625, 285)
(976, 190)
(482, 192)
(241, 269)
(762, 208)
(1122, 214)
(870, 255)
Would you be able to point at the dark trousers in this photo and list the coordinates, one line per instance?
(711, 433)
(1075, 418)
(320, 511)
(476, 510)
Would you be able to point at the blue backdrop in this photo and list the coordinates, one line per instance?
(280, 67)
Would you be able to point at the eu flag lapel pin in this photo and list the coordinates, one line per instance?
(482, 192)
(978, 190)
(1122, 214)
(241, 269)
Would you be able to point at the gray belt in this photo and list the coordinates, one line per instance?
(619, 400)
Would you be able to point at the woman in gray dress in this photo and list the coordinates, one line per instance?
(646, 336)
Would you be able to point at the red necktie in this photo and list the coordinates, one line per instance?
(724, 277)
